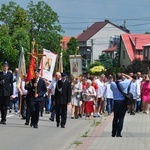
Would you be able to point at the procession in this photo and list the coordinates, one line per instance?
(30, 95)
(72, 78)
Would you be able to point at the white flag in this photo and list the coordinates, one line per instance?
(21, 68)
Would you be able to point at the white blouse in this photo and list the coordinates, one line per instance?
(87, 93)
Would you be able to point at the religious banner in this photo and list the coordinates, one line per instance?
(47, 64)
(32, 66)
(75, 65)
(21, 68)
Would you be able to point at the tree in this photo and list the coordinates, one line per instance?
(15, 30)
(14, 33)
(71, 50)
(7, 13)
(7, 51)
(105, 60)
(137, 66)
(84, 66)
(46, 26)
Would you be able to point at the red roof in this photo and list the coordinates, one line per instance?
(64, 41)
(134, 42)
(111, 49)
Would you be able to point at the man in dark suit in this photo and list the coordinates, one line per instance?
(36, 90)
(6, 91)
(62, 99)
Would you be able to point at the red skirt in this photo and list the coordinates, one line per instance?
(88, 106)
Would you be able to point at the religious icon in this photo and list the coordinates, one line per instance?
(75, 67)
(48, 63)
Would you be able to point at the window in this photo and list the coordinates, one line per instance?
(146, 52)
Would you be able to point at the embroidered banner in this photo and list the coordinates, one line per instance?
(47, 64)
(75, 65)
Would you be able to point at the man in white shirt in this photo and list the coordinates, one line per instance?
(51, 92)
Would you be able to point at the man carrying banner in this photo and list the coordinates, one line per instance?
(36, 90)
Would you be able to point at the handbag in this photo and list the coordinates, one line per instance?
(78, 95)
(128, 96)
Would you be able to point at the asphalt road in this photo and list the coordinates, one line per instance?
(15, 135)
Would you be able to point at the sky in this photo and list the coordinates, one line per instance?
(77, 15)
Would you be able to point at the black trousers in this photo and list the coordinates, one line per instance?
(61, 111)
(28, 111)
(23, 106)
(4, 100)
(120, 109)
(52, 109)
(35, 107)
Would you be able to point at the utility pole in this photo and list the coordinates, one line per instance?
(92, 51)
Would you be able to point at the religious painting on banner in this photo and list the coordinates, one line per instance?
(75, 65)
(47, 64)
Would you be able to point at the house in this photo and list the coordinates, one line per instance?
(111, 51)
(146, 53)
(64, 41)
(98, 37)
(133, 46)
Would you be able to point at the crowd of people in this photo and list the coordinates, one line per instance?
(89, 96)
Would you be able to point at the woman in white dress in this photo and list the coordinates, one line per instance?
(76, 97)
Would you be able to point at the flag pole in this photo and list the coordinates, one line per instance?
(20, 103)
(61, 60)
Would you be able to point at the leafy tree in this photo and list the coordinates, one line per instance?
(105, 60)
(46, 26)
(137, 65)
(7, 51)
(113, 70)
(14, 33)
(71, 50)
(15, 30)
(115, 60)
(84, 66)
(96, 63)
(7, 13)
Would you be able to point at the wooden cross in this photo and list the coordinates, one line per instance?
(35, 54)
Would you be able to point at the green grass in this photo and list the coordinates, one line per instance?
(96, 123)
(77, 142)
(85, 134)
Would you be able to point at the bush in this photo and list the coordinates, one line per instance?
(97, 70)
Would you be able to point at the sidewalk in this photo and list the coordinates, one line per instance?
(136, 135)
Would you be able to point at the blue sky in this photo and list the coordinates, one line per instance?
(76, 15)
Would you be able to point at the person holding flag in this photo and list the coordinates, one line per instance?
(20, 83)
(36, 90)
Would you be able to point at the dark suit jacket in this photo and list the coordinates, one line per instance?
(6, 84)
(41, 90)
(63, 96)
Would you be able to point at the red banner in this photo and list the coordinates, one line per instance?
(31, 69)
